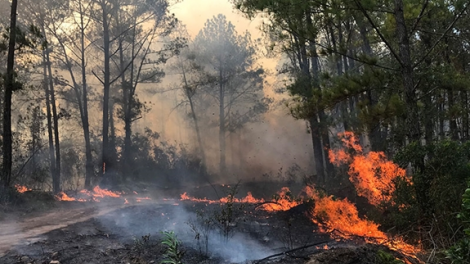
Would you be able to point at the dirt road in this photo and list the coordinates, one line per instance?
(24, 229)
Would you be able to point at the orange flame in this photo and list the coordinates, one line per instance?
(247, 199)
(93, 195)
(372, 174)
(283, 202)
(61, 196)
(335, 216)
(21, 189)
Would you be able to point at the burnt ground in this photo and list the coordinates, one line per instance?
(113, 232)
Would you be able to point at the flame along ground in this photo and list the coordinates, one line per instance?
(95, 195)
(372, 174)
(339, 217)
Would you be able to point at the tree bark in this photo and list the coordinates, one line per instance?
(412, 119)
(189, 94)
(55, 118)
(105, 155)
(222, 148)
(50, 133)
(10, 82)
(86, 127)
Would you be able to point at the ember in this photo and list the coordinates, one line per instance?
(21, 189)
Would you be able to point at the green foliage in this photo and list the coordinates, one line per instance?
(460, 252)
(464, 215)
(174, 254)
(386, 258)
(432, 196)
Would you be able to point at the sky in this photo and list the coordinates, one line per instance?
(194, 13)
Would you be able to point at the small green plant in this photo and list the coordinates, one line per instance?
(174, 254)
(386, 258)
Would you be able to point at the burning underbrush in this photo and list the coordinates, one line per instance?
(337, 217)
(311, 227)
(372, 174)
(97, 194)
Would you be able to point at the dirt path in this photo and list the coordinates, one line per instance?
(30, 229)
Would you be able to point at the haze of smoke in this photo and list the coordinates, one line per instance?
(138, 221)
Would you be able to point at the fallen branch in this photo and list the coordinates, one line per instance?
(291, 250)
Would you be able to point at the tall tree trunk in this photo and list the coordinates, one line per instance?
(317, 150)
(10, 82)
(86, 127)
(315, 128)
(375, 137)
(190, 94)
(125, 86)
(112, 134)
(222, 148)
(427, 99)
(105, 155)
(55, 118)
(412, 119)
(52, 165)
(465, 119)
(454, 134)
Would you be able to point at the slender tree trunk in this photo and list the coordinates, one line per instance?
(428, 105)
(441, 108)
(317, 150)
(412, 120)
(9, 86)
(375, 136)
(315, 126)
(125, 86)
(106, 86)
(222, 148)
(454, 134)
(86, 127)
(52, 165)
(465, 120)
(112, 132)
(189, 94)
(55, 118)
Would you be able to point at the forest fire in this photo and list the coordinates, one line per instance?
(86, 195)
(372, 174)
(101, 193)
(21, 188)
(247, 199)
(64, 197)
